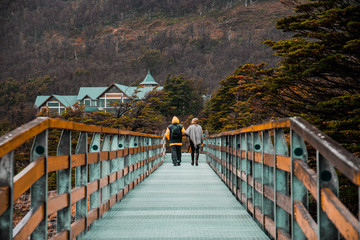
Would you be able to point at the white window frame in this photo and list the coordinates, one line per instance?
(88, 99)
(108, 96)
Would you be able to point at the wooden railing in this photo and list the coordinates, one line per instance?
(266, 168)
(105, 169)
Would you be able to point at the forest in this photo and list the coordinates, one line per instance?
(57, 46)
(301, 58)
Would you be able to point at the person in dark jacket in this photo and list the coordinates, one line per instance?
(195, 134)
(174, 134)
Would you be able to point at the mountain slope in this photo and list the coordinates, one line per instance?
(95, 43)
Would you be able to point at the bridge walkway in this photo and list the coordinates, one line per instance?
(178, 202)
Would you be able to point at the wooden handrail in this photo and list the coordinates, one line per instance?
(240, 157)
(117, 145)
(17, 137)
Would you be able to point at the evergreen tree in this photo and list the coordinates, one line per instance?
(239, 102)
(185, 96)
(319, 74)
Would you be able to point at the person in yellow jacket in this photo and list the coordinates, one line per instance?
(174, 133)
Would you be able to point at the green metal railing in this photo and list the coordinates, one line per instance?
(266, 168)
(106, 168)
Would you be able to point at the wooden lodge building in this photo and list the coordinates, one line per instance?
(97, 98)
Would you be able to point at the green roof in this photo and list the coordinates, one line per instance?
(40, 100)
(141, 91)
(129, 91)
(149, 80)
(91, 92)
(66, 100)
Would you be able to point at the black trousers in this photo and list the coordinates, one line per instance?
(194, 149)
(176, 153)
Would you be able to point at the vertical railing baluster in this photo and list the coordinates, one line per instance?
(127, 162)
(39, 190)
(252, 170)
(130, 176)
(227, 161)
(114, 165)
(7, 184)
(105, 170)
(139, 158)
(81, 179)
(64, 183)
(234, 164)
(121, 161)
(298, 190)
(238, 167)
(257, 170)
(249, 168)
(262, 180)
(268, 177)
(143, 156)
(326, 178)
(94, 172)
(281, 181)
(275, 185)
(218, 155)
(148, 155)
(244, 169)
(222, 157)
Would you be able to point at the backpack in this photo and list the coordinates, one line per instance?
(176, 132)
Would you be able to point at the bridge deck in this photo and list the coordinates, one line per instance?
(178, 202)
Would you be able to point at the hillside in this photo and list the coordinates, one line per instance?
(94, 43)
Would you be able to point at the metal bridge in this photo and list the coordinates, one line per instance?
(277, 180)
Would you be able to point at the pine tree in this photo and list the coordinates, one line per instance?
(319, 74)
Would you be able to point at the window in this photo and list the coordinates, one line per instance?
(55, 107)
(53, 104)
(102, 103)
(109, 102)
(87, 102)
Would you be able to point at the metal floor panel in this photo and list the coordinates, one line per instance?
(183, 202)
